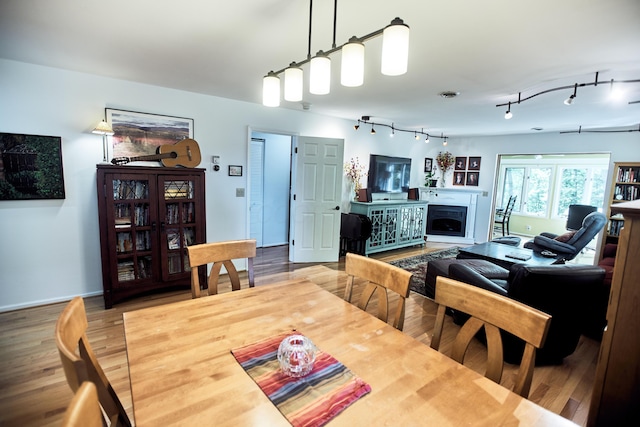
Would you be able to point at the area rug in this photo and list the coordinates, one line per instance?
(417, 265)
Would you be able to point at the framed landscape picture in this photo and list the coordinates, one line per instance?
(140, 134)
(30, 167)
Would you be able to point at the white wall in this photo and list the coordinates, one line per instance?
(49, 250)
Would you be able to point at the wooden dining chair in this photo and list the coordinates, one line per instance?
(494, 312)
(380, 277)
(80, 363)
(84, 409)
(219, 254)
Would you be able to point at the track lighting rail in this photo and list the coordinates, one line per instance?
(602, 130)
(573, 86)
(367, 120)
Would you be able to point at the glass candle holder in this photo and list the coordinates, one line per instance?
(296, 355)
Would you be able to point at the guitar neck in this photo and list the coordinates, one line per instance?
(150, 157)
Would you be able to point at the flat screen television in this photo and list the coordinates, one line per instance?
(388, 174)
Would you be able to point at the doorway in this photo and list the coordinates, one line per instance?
(270, 188)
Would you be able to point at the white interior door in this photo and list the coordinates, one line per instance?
(316, 201)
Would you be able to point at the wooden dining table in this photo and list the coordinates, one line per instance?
(182, 370)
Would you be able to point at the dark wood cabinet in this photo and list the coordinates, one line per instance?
(148, 216)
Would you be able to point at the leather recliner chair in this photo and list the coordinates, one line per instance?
(569, 293)
(570, 244)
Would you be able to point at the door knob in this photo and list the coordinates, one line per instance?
(337, 208)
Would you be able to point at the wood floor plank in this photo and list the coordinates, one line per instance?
(34, 392)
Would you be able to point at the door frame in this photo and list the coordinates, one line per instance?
(294, 143)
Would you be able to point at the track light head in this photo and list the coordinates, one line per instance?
(508, 114)
(373, 131)
(570, 99)
(357, 125)
(426, 140)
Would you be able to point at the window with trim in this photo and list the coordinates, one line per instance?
(545, 186)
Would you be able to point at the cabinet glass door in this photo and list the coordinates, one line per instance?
(178, 225)
(132, 234)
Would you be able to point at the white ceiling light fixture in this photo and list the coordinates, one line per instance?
(320, 74)
(352, 71)
(395, 48)
(395, 54)
(271, 90)
(293, 83)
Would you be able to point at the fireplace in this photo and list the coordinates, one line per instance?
(445, 220)
(451, 214)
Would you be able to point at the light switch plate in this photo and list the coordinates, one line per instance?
(239, 192)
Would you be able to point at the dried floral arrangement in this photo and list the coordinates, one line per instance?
(445, 161)
(354, 171)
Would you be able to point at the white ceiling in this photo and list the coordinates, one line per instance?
(488, 50)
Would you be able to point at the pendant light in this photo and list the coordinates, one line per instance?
(271, 90)
(320, 74)
(395, 48)
(352, 71)
(293, 82)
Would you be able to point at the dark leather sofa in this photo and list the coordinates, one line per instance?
(569, 293)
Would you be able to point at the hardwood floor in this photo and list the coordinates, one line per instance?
(34, 392)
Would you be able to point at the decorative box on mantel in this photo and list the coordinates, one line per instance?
(451, 214)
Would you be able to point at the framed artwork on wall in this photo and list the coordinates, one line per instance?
(474, 163)
(140, 134)
(31, 167)
(461, 163)
(235, 170)
(428, 164)
(472, 178)
(459, 178)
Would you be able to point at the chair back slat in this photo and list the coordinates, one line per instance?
(380, 277)
(219, 254)
(493, 312)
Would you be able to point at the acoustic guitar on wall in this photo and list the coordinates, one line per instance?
(183, 153)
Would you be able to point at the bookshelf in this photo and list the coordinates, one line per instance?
(147, 216)
(625, 187)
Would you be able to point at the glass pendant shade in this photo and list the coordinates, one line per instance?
(293, 82)
(352, 71)
(271, 90)
(395, 48)
(320, 74)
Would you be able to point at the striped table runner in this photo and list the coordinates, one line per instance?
(312, 400)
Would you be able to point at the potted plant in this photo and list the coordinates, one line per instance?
(430, 180)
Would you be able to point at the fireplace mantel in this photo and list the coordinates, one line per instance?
(453, 197)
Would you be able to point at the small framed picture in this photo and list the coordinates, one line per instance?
(235, 170)
(428, 164)
(461, 163)
(474, 163)
(472, 178)
(459, 178)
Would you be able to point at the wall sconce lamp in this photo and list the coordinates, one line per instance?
(103, 129)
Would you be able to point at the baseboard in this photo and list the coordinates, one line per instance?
(39, 303)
